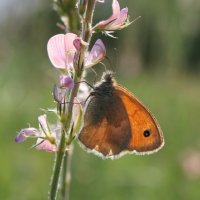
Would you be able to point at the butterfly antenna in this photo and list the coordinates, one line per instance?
(85, 82)
(87, 98)
(105, 68)
(95, 78)
(110, 63)
(116, 55)
(82, 102)
(72, 102)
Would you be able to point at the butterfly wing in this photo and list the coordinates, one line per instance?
(106, 128)
(146, 133)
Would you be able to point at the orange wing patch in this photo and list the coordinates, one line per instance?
(146, 133)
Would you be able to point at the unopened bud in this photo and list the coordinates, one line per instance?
(66, 82)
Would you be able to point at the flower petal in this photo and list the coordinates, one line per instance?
(25, 133)
(59, 94)
(56, 51)
(77, 116)
(117, 21)
(45, 145)
(43, 125)
(115, 14)
(115, 9)
(70, 48)
(116, 24)
(66, 82)
(77, 43)
(83, 92)
(61, 50)
(96, 54)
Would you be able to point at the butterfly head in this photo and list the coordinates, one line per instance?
(108, 77)
(106, 85)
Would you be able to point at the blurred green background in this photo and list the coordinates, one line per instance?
(157, 58)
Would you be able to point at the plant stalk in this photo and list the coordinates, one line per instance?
(86, 35)
(57, 168)
(66, 176)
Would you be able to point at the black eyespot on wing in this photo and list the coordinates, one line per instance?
(147, 133)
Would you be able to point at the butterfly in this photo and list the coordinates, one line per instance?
(116, 122)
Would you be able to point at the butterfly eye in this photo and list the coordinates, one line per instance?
(147, 133)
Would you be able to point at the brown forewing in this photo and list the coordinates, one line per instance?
(141, 120)
(107, 132)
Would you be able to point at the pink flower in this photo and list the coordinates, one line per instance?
(25, 133)
(77, 116)
(66, 82)
(77, 44)
(45, 145)
(117, 21)
(59, 94)
(97, 54)
(62, 51)
(46, 136)
(83, 92)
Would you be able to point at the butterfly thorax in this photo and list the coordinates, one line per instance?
(105, 87)
(101, 98)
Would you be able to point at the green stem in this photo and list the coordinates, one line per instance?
(57, 168)
(66, 173)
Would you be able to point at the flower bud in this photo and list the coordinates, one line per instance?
(66, 82)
